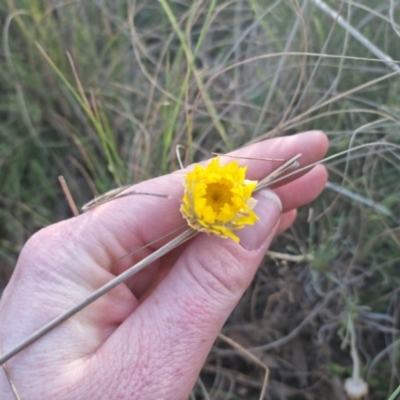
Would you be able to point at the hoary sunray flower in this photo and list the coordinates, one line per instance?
(218, 200)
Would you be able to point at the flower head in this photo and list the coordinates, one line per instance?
(218, 199)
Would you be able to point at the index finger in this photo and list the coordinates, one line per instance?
(133, 222)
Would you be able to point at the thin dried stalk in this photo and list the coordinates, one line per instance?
(116, 194)
(250, 356)
(68, 195)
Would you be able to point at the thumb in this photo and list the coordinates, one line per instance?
(216, 271)
(268, 210)
(183, 316)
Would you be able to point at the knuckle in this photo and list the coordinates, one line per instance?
(218, 271)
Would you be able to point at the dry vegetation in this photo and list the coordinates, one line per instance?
(102, 92)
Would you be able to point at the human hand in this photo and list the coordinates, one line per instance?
(128, 344)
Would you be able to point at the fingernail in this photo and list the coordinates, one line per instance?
(268, 210)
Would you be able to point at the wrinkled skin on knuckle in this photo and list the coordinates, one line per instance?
(44, 249)
(33, 249)
(218, 271)
(149, 374)
(136, 363)
(167, 359)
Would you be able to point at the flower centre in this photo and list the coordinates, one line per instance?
(217, 195)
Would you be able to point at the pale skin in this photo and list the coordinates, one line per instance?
(121, 347)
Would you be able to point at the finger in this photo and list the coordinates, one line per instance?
(132, 222)
(311, 145)
(304, 189)
(286, 221)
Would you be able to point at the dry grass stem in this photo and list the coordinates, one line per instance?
(115, 194)
(286, 257)
(68, 195)
(251, 357)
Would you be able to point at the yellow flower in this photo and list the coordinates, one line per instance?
(218, 199)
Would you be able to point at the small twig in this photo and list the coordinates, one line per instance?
(286, 257)
(250, 356)
(178, 154)
(114, 194)
(68, 195)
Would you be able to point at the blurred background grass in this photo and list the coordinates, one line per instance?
(102, 92)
